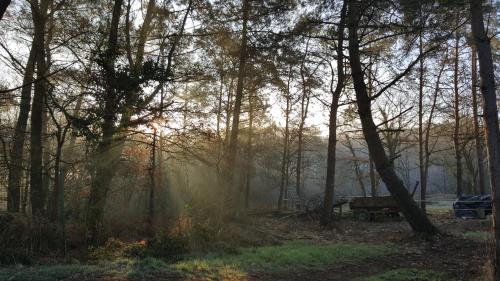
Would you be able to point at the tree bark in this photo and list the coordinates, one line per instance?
(233, 141)
(477, 132)
(415, 217)
(18, 139)
(456, 114)
(326, 216)
(286, 143)
(490, 115)
(152, 188)
(304, 108)
(107, 153)
(249, 153)
(111, 145)
(37, 192)
(374, 182)
(421, 160)
(425, 150)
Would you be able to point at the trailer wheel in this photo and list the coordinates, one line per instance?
(362, 215)
(393, 214)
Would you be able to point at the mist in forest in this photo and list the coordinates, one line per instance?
(164, 131)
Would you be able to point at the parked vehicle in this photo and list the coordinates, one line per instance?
(366, 208)
(472, 206)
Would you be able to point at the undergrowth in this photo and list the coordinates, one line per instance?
(291, 256)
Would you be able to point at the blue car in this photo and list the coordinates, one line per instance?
(472, 206)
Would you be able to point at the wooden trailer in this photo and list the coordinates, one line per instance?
(366, 208)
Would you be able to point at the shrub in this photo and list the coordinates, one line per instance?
(135, 250)
(167, 246)
(164, 246)
(23, 237)
(203, 236)
(10, 256)
(114, 249)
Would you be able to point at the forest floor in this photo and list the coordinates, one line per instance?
(294, 247)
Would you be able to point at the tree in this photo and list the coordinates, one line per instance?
(477, 132)
(332, 134)
(233, 140)
(122, 99)
(18, 139)
(456, 115)
(424, 134)
(37, 192)
(415, 217)
(285, 158)
(490, 115)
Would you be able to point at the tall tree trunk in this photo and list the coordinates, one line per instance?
(107, 153)
(326, 216)
(219, 116)
(68, 155)
(456, 113)
(477, 132)
(373, 177)
(26, 189)
(249, 152)
(37, 193)
(152, 188)
(286, 143)
(490, 115)
(374, 182)
(415, 217)
(18, 139)
(228, 109)
(304, 107)
(113, 138)
(425, 151)
(233, 141)
(421, 160)
(56, 200)
(63, 156)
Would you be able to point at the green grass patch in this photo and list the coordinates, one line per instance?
(291, 256)
(480, 235)
(295, 256)
(408, 274)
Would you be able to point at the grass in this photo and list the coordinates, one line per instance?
(408, 274)
(291, 256)
(479, 235)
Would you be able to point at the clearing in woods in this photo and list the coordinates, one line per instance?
(294, 247)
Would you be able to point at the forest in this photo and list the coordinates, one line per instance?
(249, 140)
